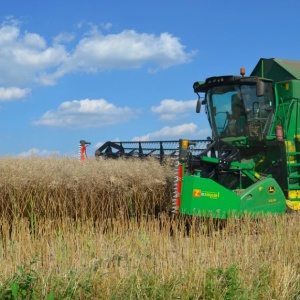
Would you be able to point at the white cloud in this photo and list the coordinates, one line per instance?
(36, 152)
(34, 40)
(106, 26)
(13, 93)
(127, 49)
(189, 130)
(170, 110)
(86, 114)
(25, 57)
(64, 37)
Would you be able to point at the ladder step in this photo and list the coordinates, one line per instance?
(293, 153)
(294, 176)
(293, 164)
(294, 186)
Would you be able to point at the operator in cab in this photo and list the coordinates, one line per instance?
(237, 118)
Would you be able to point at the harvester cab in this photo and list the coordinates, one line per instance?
(252, 162)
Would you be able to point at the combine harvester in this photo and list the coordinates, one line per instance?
(252, 162)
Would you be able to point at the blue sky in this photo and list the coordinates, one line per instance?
(124, 70)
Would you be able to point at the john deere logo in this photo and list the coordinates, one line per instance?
(271, 189)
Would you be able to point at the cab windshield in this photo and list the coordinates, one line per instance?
(235, 110)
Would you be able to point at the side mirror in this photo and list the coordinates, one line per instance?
(198, 106)
(260, 88)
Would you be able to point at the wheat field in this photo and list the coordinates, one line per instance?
(92, 229)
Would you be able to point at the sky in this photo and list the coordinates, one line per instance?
(116, 70)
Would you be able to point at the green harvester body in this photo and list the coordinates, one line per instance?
(252, 161)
